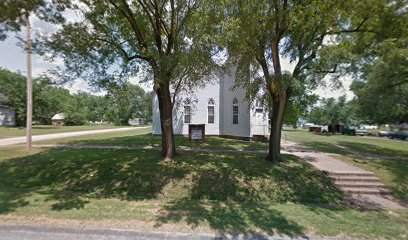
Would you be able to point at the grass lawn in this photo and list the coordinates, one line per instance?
(8, 132)
(388, 159)
(130, 138)
(205, 191)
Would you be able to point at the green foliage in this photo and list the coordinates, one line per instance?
(250, 27)
(13, 87)
(47, 98)
(13, 13)
(161, 40)
(125, 102)
(122, 102)
(382, 94)
(331, 111)
(377, 55)
(89, 106)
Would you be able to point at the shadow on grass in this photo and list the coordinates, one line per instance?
(243, 186)
(232, 218)
(211, 142)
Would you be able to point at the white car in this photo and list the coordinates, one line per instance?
(368, 127)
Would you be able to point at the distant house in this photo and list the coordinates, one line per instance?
(136, 122)
(58, 119)
(7, 114)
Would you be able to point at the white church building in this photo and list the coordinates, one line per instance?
(224, 111)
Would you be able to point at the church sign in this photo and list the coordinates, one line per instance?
(196, 132)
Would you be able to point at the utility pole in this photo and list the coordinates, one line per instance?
(29, 83)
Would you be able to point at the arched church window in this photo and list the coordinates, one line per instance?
(187, 110)
(211, 111)
(235, 111)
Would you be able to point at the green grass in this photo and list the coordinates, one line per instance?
(388, 159)
(129, 138)
(206, 191)
(8, 132)
(217, 192)
(132, 175)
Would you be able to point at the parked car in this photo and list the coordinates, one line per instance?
(349, 131)
(384, 133)
(353, 131)
(368, 127)
(361, 132)
(400, 135)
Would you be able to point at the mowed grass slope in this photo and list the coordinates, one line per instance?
(388, 159)
(144, 137)
(195, 192)
(205, 191)
(133, 174)
(8, 132)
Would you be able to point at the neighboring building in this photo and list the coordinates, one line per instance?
(58, 119)
(136, 121)
(223, 111)
(7, 114)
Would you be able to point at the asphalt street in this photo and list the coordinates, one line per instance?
(40, 232)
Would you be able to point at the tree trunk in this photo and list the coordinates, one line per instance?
(278, 109)
(278, 95)
(166, 120)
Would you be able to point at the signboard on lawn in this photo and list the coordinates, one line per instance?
(196, 132)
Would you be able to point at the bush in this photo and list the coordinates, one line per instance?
(75, 119)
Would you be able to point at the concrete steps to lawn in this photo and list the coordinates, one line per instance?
(365, 191)
(363, 183)
(351, 174)
(361, 187)
(355, 179)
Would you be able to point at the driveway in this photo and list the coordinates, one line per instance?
(18, 140)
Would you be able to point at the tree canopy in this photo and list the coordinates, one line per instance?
(259, 34)
(375, 55)
(114, 40)
(13, 13)
(331, 111)
(118, 106)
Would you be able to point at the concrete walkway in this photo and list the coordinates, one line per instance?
(361, 187)
(18, 140)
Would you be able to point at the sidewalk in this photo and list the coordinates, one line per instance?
(18, 140)
(361, 187)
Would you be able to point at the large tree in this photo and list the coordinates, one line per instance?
(331, 111)
(48, 99)
(125, 101)
(117, 39)
(259, 33)
(379, 60)
(16, 13)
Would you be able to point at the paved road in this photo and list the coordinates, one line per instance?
(15, 232)
(17, 140)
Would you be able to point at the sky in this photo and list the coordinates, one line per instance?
(13, 57)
